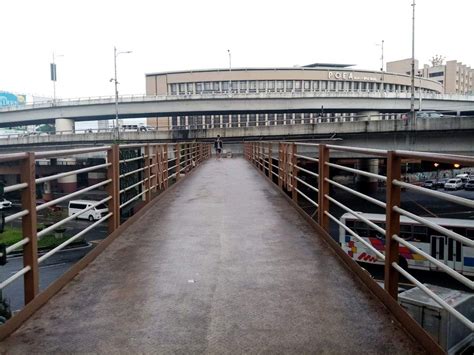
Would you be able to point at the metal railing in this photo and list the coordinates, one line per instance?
(285, 164)
(124, 184)
(219, 95)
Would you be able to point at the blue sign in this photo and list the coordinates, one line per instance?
(9, 99)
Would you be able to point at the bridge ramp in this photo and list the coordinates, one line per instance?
(221, 264)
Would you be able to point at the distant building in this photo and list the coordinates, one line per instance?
(456, 78)
(319, 79)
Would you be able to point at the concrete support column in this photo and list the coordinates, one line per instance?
(47, 192)
(367, 184)
(68, 184)
(95, 177)
(65, 125)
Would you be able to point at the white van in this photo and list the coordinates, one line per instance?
(92, 214)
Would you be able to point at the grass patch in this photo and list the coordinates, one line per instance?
(12, 235)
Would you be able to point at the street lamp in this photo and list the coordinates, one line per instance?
(116, 54)
(54, 76)
(412, 97)
(230, 70)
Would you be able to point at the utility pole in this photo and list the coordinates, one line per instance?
(381, 58)
(230, 70)
(114, 79)
(412, 98)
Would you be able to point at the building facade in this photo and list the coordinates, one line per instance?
(455, 77)
(320, 78)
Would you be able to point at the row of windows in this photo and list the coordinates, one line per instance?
(262, 119)
(253, 86)
(407, 231)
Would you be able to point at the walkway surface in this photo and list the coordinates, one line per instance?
(222, 264)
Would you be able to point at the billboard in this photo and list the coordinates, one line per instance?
(9, 99)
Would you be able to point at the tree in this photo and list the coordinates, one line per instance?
(47, 128)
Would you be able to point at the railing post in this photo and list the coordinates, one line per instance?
(294, 170)
(147, 173)
(323, 185)
(392, 224)
(113, 188)
(270, 162)
(178, 160)
(280, 165)
(29, 225)
(166, 166)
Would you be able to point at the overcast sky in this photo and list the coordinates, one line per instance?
(180, 35)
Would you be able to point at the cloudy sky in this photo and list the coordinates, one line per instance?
(192, 34)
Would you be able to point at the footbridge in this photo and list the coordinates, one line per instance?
(225, 255)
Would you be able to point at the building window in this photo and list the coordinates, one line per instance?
(339, 85)
(234, 86)
(306, 85)
(174, 89)
(280, 85)
(298, 85)
(190, 88)
(199, 88)
(225, 86)
(207, 86)
(323, 85)
(243, 86)
(332, 85)
(261, 85)
(271, 85)
(215, 85)
(252, 86)
(315, 85)
(289, 85)
(182, 88)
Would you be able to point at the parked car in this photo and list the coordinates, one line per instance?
(4, 203)
(469, 184)
(92, 214)
(463, 177)
(441, 182)
(453, 184)
(429, 184)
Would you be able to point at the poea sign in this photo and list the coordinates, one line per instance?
(9, 99)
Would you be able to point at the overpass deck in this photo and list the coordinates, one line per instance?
(221, 264)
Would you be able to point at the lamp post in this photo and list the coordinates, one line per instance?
(230, 70)
(54, 77)
(412, 96)
(116, 54)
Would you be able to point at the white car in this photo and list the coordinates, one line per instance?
(4, 203)
(92, 214)
(453, 184)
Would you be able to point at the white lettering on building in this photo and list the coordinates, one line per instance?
(340, 75)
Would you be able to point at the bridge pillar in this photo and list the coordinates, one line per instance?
(367, 184)
(371, 115)
(68, 184)
(95, 177)
(65, 125)
(47, 192)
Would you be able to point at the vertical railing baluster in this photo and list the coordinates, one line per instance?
(146, 173)
(178, 160)
(392, 224)
(270, 162)
(166, 166)
(294, 170)
(113, 188)
(280, 165)
(29, 227)
(323, 202)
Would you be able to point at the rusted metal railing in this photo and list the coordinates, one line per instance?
(308, 166)
(134, 175)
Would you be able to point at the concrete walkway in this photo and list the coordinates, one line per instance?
(222, 264)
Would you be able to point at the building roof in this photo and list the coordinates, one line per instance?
(328, 65)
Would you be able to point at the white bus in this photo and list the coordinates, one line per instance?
(451, 252)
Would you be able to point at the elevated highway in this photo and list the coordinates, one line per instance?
(446, 135)
(87, 109)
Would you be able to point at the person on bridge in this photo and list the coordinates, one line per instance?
(218, 146)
